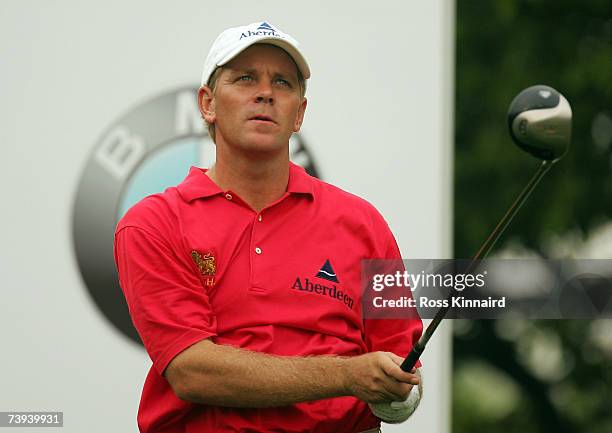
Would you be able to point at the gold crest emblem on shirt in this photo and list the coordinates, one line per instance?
(206, 265)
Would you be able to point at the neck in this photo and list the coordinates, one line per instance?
(258, 182)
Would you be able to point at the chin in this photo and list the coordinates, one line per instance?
(266, 145)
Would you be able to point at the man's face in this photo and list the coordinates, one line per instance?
(257, 102)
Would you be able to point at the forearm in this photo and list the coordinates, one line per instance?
(227, 376)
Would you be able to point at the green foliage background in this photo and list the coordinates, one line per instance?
(504, 46)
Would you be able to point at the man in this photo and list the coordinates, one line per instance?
(244, 280)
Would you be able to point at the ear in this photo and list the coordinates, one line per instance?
(299, 118)
(206, 103)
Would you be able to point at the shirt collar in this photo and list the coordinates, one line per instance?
(300, 182)
(198, 185)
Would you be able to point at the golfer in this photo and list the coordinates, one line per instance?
(243, 281)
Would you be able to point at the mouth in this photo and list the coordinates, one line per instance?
(262, 118)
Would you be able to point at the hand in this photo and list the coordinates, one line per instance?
(397, 411)
(377, 377)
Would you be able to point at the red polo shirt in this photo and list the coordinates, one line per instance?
(197, 262)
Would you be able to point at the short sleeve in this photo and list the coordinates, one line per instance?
(166, 300)
(397, 335)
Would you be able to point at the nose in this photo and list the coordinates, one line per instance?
(265, 100)
(264, 94)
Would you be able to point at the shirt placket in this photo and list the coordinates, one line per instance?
(257, 254)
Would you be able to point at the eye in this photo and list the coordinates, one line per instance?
(282, 82)
(244, 78)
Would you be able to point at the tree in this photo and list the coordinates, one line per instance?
(502, 48)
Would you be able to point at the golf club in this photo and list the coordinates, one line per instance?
(540, 123)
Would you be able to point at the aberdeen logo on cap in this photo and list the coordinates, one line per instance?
(265, 26)
(264, 29)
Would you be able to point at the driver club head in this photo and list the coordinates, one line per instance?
(540, 122)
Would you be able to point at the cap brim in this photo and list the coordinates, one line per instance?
(297, 57)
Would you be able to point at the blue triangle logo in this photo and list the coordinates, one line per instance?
(327, 272)
(265, 26)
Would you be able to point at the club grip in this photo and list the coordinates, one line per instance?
(412, 357)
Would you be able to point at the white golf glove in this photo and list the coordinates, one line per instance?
(397, 411)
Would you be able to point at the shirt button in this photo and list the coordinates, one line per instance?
(258, 250)
(228, 196)
(259, 218)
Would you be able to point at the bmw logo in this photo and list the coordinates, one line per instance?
(148, 149)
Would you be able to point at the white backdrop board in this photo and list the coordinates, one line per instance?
(378, 123)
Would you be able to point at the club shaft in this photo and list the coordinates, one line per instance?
(419, 347)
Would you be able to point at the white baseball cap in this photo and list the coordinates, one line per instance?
(233, 41)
